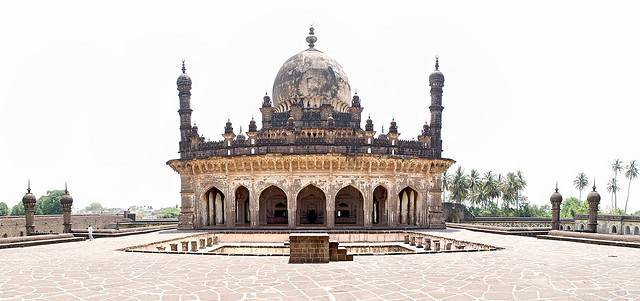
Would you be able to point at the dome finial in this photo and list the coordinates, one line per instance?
(28, 185)
(66, 191)
(437, 63)
(556, 186)
(184, 69)
(311, 38)
(594, 184)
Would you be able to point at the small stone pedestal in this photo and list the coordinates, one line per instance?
(194, 246)
(309, 248)
(427, 244)
(185, 246)
(436, 245)
(174, 247)
(413, 241)
(202, 243)
(209, 241)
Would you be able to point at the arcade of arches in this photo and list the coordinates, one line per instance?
(305, 192)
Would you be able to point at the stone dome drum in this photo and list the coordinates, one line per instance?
(313, 78)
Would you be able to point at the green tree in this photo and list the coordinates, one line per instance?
(580, 182)
(572, 206)
(459, 186)
(170, 212)
(616, 166)
(492, 187)
(17, 209)
(631, 174)
(4, 209)
(613, 187)
(95, 206)
(473, 184)
(446, 180)
(50, 203)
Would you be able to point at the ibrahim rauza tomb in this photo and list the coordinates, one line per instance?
(308, 163)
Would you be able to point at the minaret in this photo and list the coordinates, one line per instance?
(356, 111)
(436, 82)
(556, 203)
(29, 203)
(184, 93)
(66, 201)
(593, 199)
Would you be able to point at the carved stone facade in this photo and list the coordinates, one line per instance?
(316, 190)
(311, 164)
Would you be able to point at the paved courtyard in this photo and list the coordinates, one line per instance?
(527, 269)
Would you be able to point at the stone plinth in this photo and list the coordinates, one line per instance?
(309, 248)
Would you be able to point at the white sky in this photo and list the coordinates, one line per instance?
(88, 94)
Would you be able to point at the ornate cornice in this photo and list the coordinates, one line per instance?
(365, 164)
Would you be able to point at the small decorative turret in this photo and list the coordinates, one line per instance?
(593, 199)
(228, 135)
(369, 125)
(382, 134)
(355, 101)
(556, 201)
(425, 136)
(252, 125)
(425, 129)
(29, 203)
(266, 100)
(228, 129)
(267, 111)
(66, 201)
(393, 127)
(252, 133)
(241, 136)
(311, 38)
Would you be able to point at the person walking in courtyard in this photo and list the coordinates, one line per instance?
(90, 232)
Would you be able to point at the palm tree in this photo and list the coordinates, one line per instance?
(446, 179)
(613, 187)
(492, 186)
(616, 166)
(580, 183)
(631, 173)
(474, 183)
(459, 186)
(509, 190)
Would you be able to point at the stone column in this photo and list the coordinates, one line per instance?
(66, 201)
(393, 200)
(254, 209)
(292, 207)
(230, 208)
(435, 215)
(29, 202)
(556, 200)
(330, 216)
(367, 206)
(187, 200)
(593, 198)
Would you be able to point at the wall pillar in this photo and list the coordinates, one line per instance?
(292, 209)
(330, 217)
(187, 203)
(367, 207)
(230, 208)
(254, 208)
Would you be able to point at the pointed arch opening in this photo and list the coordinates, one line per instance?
(349, 206)
(273, 206)
(311, 206)
(243, 217)
(379, 206)
(213, 208)
(407, 204)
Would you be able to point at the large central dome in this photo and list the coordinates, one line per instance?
(313, 78)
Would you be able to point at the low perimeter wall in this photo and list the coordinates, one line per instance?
(12, 226)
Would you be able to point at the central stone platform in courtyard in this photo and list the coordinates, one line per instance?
(526, 269)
